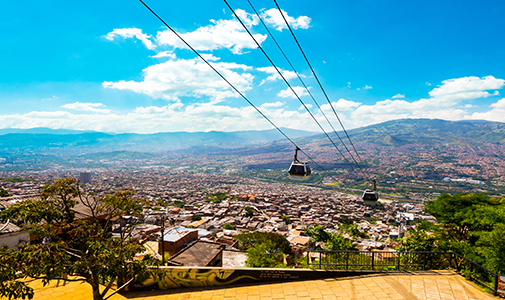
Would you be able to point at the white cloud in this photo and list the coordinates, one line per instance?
(288, 93)
(248, 19)
(398, 96)
(205, 116)
(497, 113)
(341, 105)
(465, 88)
(274, 18)
(162, 54)
(272, 104)
(131, 33)
(188, 78)
(442, 103)
(87, 106)
(274, 75)
(222, 34)
(366, 87)
(172, 117)
(51, 98)
(309, 106)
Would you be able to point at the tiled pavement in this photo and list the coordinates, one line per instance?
(430, 285)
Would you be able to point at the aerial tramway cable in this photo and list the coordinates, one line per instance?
(321, 86)
(289, 85)
(230, 84)
(302, 82)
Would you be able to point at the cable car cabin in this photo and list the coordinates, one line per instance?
(299, 170)
(371, 197)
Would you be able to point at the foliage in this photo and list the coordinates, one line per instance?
(286, 219)
(470, 224)
(4, 193)
(228, 226)
(217, 197)
(419, 240)
(278, 242)
(264, 254)
(70, 246)
(15, 179)
(353, 230)
(332, 241)
(196, 218)
(179, 204)
(250, 211)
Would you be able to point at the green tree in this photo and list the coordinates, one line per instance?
(84, 248)
(332, 241)
(3, 192)
(196, 218)
(471, 225)
(492, 246)
(264, 255)
(286, 219)
(228, 226)
(419, 240)
(453, 211)
(353, 230)
(249, 211)
(278, 242)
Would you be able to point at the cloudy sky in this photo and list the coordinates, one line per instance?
(112, 66)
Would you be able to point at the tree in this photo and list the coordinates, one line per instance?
(264, 255)
(286, 219)
(196, 218)
(470, 224)
(67, 245)
(332, 241)
(249, 211)
(492, 246)
(278, 242)
(3, 192)
(228, 226)
(452, 211)
(419, 240)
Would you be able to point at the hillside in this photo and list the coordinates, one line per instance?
(430, 132)
(44, 140)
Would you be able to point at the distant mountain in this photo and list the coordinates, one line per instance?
(39, 130)
(104, 142)
(428, 131)
(392, 133)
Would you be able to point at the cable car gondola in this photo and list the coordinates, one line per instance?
(299, 170)
(371, 197)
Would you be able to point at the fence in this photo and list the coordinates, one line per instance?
(397, 261)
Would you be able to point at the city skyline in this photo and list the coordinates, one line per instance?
(114, 67)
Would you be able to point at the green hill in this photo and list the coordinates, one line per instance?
(429, 132)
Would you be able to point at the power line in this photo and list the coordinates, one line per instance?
(289, 85)
(317, 79)
(303, 83)
(229, 83)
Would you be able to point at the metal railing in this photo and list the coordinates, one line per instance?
(404, 261)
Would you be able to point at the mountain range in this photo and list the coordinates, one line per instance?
(392, 133)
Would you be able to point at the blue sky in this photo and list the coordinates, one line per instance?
(112, 66)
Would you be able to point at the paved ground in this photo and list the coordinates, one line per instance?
(440, 285)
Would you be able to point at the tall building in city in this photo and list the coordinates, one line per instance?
(85, 177)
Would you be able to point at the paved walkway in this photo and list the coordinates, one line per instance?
(430, 285)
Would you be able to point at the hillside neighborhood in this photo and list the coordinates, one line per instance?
(215, 208)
